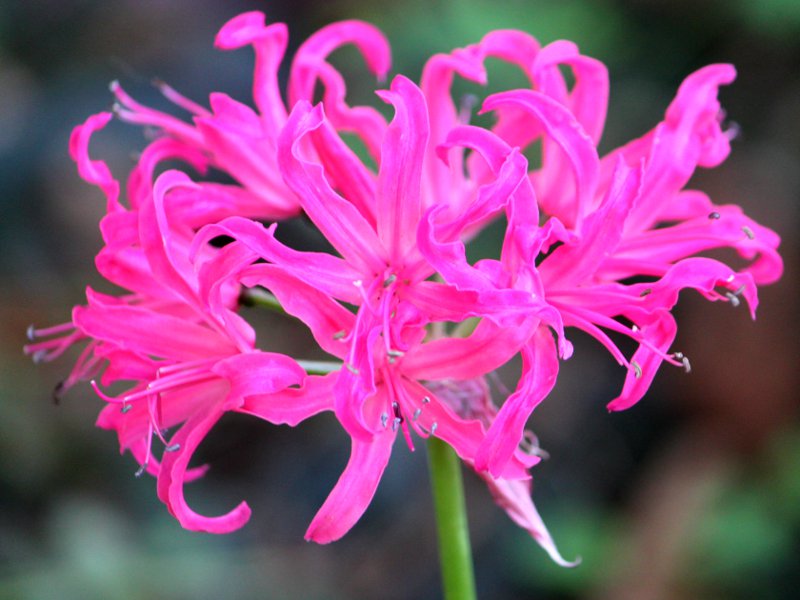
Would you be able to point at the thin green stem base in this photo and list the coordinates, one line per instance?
(455, 554)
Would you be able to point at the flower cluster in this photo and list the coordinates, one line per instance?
(413, 329)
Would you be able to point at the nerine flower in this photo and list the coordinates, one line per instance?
(602, 244)
(612, 220)
(390, 347)
(191, 359)
(241, 141)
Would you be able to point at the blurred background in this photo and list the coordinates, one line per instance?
(693, 493)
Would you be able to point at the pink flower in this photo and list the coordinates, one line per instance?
(192, 359)
(625, 216)
(386, 347)
(242, 142)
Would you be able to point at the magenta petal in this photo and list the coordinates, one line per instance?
(515, 498)
(354, 491)
(95, 172)
(539, 371)
(150, 332)
(328, 320)
(398, 206)
(488, 348)
(588, 99)
(256, 372)
(338, 220)
(327, 273)
(569, 198)
(269, 43)
(659, 333)
(290, 406)
(173, 470)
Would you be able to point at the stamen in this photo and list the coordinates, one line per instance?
(714, 215)
(684, 361)
(748, 232)
(733, 299)
(426, 399)
(646, 292)
(172, 448)
(396, 423)
(384, 419)
(416, 415)
(339, 334)
(140, 471)
(126, 408)
(637, 369)
(434, 427)
(389, 280)
(351, 368)
(395, 353)
(31, 332)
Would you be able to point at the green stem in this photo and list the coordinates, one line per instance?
(260, 297)
(319, 367)
(455, 555)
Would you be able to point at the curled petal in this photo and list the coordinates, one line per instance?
(659, 333)
(339, 221)
(539, 371)
(290, 406)
(95, 172)
(269, 44)
(574, 197)
(174, 466)
(255, 373)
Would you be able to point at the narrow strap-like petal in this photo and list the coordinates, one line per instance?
(172, 477)
(514, 496)
(574, 196)
(398, 195)
(338, 220)
(354, 490)
(269, 44)
(95, 172)
(539, 371)
(291, 406)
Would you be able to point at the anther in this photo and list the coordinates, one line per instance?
(396, 423)
(733, 298)
(637, 370)
(748, 232)
(39, 357)
(646, 292)
(426, 399)
(339, 334)
(172, 448)
(140, 471)
(686, 364)
(389, 280)
(126, 408)
(434, 427)
(351, 368)
(714, 215)
(634, 328)
(31, 332)
(416, 415)
(395, 353)
(58, 392)
(384, 420)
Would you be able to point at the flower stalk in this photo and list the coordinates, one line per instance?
(455, 553)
